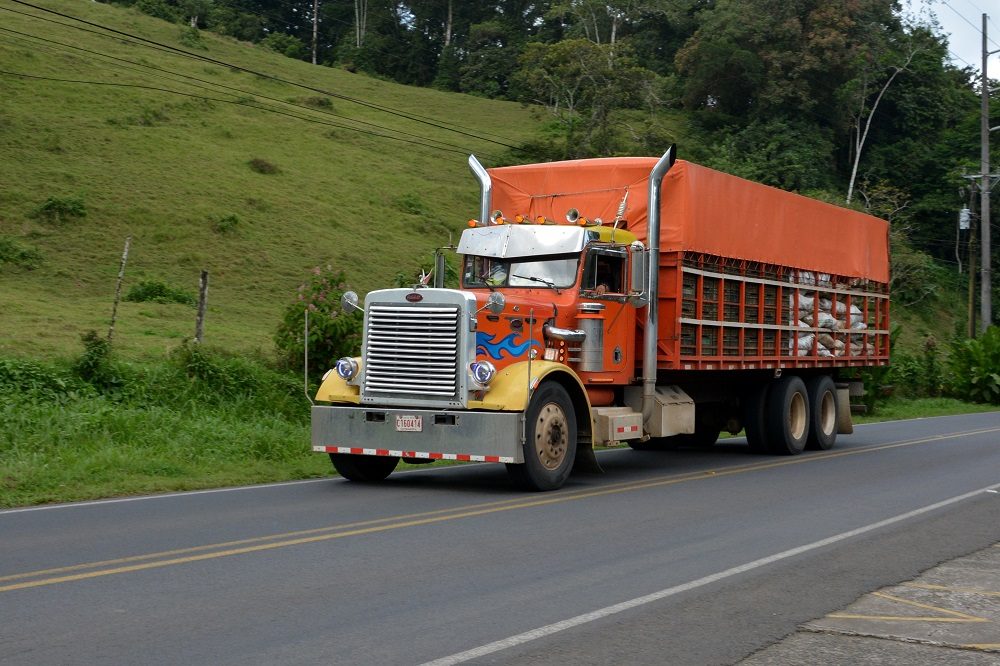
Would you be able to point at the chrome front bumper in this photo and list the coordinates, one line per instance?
(444, 434)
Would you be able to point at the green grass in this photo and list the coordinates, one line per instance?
(166, 169)
(915, 408)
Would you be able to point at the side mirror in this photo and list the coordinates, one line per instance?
(638, 295)
(349, 302)
(496, 302)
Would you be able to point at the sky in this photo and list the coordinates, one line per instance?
(965, 41)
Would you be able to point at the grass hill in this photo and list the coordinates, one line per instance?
(257, 198)
(254, 197)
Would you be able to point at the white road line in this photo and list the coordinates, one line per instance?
(548, 630)
(140, 498)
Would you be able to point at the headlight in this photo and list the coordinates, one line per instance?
(347, 368)
(482, 372)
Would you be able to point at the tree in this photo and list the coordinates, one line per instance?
(581, 83)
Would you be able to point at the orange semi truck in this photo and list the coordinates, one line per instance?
(617, 300)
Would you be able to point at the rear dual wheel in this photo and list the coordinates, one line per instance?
(790, 415)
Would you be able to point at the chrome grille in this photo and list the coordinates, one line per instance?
(412, 350)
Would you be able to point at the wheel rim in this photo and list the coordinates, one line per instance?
(797, 416)
(551, 436)
(827, 413)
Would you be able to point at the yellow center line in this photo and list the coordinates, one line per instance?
(316, 535)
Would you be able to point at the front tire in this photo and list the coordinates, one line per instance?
(550, 440)
(364, 469)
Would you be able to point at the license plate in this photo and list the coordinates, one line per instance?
(408, 423)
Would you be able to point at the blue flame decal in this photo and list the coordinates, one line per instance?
(486, 344)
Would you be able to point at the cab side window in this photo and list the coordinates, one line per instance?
(604, 272)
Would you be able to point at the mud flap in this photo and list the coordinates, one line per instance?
(586, 460)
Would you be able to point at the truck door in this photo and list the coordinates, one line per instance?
(605, 315)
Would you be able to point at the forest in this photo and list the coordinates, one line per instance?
(850, 101)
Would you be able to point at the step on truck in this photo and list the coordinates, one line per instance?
(616, 301)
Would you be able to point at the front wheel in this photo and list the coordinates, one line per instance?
(366, 469)
(550, 440)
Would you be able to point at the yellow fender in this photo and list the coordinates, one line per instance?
(335, 389)
(511, 390)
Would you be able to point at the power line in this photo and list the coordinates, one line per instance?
(189, 54)
(212, 87)
(237, 102)
(960, 15)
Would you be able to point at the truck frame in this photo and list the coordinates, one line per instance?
(748, 308)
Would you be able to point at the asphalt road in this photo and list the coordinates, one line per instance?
(683, 557)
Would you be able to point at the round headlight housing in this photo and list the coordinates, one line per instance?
(347, 368)
(482, 372)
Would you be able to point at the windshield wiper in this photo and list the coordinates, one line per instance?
(548, 283)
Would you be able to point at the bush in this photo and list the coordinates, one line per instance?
(975, 368)
(226, 224)
(15, 254)
(285, 44)
(333, 333)
(35, 380)
(263, 166)
(60, 209)
(95, 366)
(150, 291)
(191, 38)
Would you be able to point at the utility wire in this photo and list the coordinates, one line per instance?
(961, 16)
(237, 102)
(189, 54)
(212, 86)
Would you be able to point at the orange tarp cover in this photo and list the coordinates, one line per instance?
(703, 210)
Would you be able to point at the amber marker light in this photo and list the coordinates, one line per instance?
(473, 223)
(519, 218)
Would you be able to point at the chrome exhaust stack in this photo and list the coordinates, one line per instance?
(486, 189)
(653, 276)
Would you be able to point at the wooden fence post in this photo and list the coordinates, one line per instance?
(118, 289)
(199, 324)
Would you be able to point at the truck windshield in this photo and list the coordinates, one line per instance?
(537, 272)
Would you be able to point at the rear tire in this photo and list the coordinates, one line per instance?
(755, 418)
(550, 440)
(787, 414)
(364, 469)
(823, 406)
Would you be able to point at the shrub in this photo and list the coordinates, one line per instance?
(95, 364)
(226, 224)
(333, 333)
(151, 291)
(285, 44)
(34, 379)
(14, 253)
(975, 368)
(263, 166)
(191, 38)
(60, 209)
(159, 9)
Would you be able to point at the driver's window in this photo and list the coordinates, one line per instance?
(604, 272)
